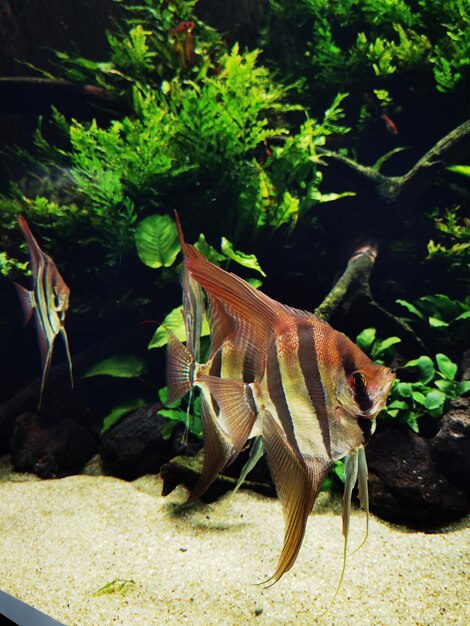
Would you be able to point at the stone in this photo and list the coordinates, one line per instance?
(50, 446)
(406, 484)
(451, 445)
(140, 444)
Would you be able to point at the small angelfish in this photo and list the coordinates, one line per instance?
(48, 301)
(280, 374)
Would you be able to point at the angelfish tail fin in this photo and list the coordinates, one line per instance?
(179, 368)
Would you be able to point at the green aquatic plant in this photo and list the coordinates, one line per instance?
(439, 311)
(428, 395)
(451, 248)
(180, 412)
(130, 366)
(364, 46)
(117, 585)
(428, 384)
(379, 350)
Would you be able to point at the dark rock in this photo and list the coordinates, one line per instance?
(138, 444)
(451, 445)
(183, 470)
(406, 484)
(50, 447)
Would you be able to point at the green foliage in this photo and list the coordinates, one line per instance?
(8, 265)
(156, 240)
(365, 45)
(432, 384)
(174, 320)
(118, 366)
(115, 586)
(119, 411)
(452, 249)
(379, 350)
(448, 318)
(180, 412)
(429, 394)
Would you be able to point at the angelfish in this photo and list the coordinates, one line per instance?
(48, 301)
(282, 374)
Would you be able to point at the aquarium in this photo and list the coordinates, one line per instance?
(234, 333)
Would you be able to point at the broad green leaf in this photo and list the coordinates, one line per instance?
(412, 422)
(121, 410)
(208, 251)
(418, 397)
(156, 240)
(411, 308)
(339, 470)
(463, 316)
(254, 282)
(174, 322)
(449, 387)
(405, 390)
(425, 367)
(366, 338)
(178, 415)
(163, 397)
(434, 322)
(446, 367)
(460, 169)
(435, 399)
(463, 387)
(380, 347)
(398, 404)
(118, 365)
(247, 260)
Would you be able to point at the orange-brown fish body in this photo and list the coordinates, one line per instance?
(274, 371)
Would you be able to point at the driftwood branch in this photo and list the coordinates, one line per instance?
(353, 282)
(403, 189)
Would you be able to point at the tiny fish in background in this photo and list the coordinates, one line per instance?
(48, 302)
(374, 105)
(282, 374)
(185, 29)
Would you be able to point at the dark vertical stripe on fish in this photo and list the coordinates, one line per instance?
(216, 364)
(308, 360)
(277, 395)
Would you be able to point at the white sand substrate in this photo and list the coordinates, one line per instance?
(61, 541)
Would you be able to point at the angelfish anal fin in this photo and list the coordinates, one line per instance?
(218, 449)
(298, 482)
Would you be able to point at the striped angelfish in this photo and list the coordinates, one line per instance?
(48, 301)
(283, 375)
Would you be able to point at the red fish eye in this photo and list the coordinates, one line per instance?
(357, 380)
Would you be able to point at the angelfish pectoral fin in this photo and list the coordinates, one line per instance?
(256, 453)
(298, 481)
